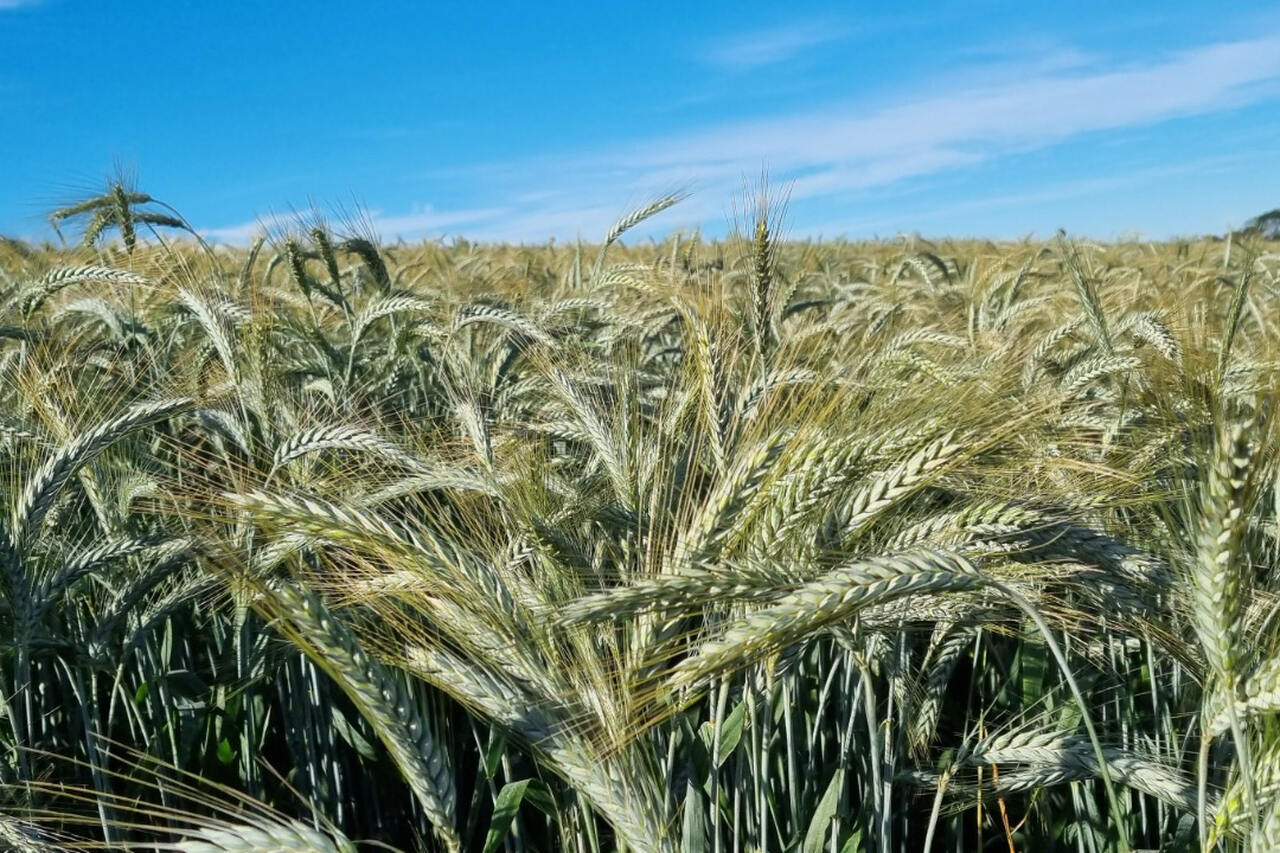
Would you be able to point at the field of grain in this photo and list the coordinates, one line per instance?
(691, 545)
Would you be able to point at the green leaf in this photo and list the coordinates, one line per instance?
(141, 693)
(504, 813)
(540, 797)
(185, 684)
(694, 834)
(225, 753)
(351, 735)
(688, 742)
(730, 733)
(493, 752)
(1033, 660)
(816, 837)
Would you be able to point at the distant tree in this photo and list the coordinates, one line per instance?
(1265, 225)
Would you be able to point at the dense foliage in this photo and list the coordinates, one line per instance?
(694, 545)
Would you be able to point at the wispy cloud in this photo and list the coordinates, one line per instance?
(1053, 192)
(848, 150)
(982, 121)
(243, 232)
(756, 49)
(421, 222)
(428, 220)
(845, 149)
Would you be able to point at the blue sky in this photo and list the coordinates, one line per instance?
(525, 121)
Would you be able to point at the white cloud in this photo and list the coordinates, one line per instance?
(246, 231)
(745, 51)
(952, 123)
(848, 148)
(429, 221)
(1057, 191)
(1011, 114)
(416, 223)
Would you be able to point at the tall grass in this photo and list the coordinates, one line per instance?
(682, 545)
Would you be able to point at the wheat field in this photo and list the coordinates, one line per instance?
(724, 545)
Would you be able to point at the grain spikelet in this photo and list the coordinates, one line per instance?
(265, 836)
(43, 487)
(31, 297)
(1215, 573)
(827, 600)
(382, 700)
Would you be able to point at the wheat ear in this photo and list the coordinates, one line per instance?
(382, 699)
(831, 598)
